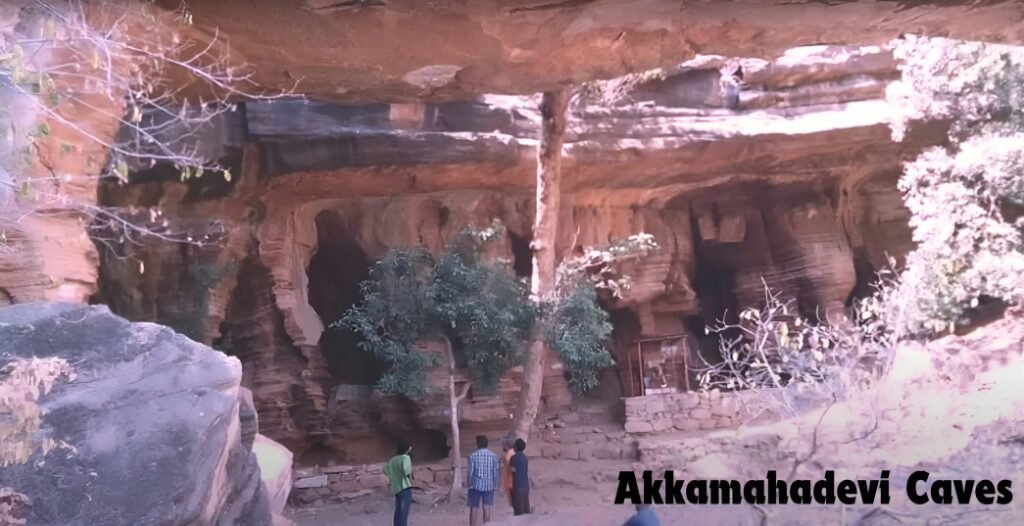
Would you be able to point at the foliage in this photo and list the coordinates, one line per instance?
(482, 305)
(965, 198)
(392, 317)
(604, 266)
(613, 91)
(973, 84)
(411, 297)
(577, 325)
(577, 331)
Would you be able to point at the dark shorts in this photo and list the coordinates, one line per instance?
(476, 496)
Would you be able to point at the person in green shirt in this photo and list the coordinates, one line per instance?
(399, 472)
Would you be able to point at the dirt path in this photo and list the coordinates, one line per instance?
(581, 491)
(967, 432)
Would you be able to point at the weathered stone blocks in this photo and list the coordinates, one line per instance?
(688, 411)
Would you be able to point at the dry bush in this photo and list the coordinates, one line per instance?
(619, 90)
(796, 362)
(72, 61)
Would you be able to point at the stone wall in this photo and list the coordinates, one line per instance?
(689, 411)
(320, 485)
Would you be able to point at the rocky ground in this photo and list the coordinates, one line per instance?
(581, 492)
(917, 420)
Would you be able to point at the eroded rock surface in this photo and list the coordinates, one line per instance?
(451, 49)
(135, 425)
(45, 251)
(796, 186)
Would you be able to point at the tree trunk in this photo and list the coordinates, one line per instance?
(545, 231)
(455, 399)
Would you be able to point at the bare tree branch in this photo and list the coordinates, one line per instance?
(128, 53)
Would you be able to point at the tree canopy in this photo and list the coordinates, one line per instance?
(965, 197)
(412, 296)
(577, 331)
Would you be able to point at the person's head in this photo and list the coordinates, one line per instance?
(520, 445)
(481, 442)
(403, 448)
(642, 507)
(507, 443)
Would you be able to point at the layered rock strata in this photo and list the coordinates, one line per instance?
(795, 187)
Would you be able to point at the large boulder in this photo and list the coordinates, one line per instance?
(275, 463)
(110, 422)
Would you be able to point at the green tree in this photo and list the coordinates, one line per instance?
(574, 323)
(478, 310)
(553, 110)
(966, 197)
(577, 331)
(556, 286)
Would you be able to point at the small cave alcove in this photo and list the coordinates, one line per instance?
(626, 330)
(866, 275)
(522, 256)
(334, 275)
(428, 446)
(715, 284)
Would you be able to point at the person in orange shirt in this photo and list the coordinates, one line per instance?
(506, 472)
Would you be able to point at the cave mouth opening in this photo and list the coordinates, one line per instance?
(865, 277)
(522, 256)
(614, 382)
(371, 430)
(715, 284)
(428, 446)
(334, 274)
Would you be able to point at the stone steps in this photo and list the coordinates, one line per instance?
(604, 441)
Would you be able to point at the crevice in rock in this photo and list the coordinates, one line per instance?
(866, 276)
(714, 278)
(522, 257)
(273, 367)
(564, 4)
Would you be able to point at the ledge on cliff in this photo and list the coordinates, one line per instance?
(450, 50)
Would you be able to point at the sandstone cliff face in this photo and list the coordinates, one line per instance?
(796, 187)
(45, 250)
(454, 49)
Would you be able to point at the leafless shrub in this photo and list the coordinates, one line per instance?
(125, 62)
(776, 351)
(615, 91)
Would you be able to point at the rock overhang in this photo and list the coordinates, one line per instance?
(406, 50)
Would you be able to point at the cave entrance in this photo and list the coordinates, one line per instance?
(334, 274)
(522, 256)
(428, 446)
(625, 330)
(715, 284)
